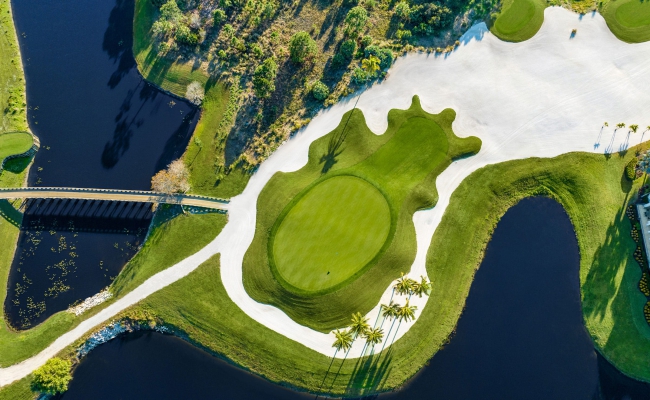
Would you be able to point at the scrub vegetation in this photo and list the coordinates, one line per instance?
(286, 60)
(319, 252)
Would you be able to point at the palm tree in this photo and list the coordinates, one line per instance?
(634, 127)
(359, 325)
(343, 342)
(373, 337)
(620, 125)
(389, 311)
(422, 287)
(606, 124)
(392, 313)
(404, 285)
(405, 313)
(371, 64)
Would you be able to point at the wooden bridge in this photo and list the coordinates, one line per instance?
(140, 196)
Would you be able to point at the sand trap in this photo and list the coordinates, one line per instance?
(540, 98)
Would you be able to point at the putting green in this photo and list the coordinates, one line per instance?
(634, 14)
(629, 20)
(519, 20)
(14, 143)
(349, 212)
(331, 233)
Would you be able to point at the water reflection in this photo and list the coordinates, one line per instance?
(100, 124)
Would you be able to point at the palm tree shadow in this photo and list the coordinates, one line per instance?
(369, 374)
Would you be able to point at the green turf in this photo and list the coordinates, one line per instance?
(402, 164)
(335, 229)
(629, 20)
(594, 193)
(13, 143)
(519, 20)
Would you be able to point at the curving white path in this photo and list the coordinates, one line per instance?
(543, 97)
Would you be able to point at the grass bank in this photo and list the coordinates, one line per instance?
(171, 242)
(205, 154)
(629, 20)
(401, 164)
(594, 193)
(13, 143)
(519, 20)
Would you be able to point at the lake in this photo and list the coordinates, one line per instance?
(521, 336)
(101, 125)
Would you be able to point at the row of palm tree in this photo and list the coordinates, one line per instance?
(633, 127)
(359, 327)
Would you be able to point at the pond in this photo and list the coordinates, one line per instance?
(69, 250)
(520, 336)
(100, 125)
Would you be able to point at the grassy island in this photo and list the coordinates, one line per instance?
(331, 236)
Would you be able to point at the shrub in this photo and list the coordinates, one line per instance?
(385, 56)
(370, 4)
(184, 35)
(355, 21)
(348, 48)
(426, 18)
(163, 47)
(228, 30)
(53, 377)
(195, 93)
(219, 16)
(403, 10)
(403, 34)
(172, 180)
(366, 41)
(320, 91)
(170, 12)
(302, 47)
(257, 51)
(630, 169)
(264, 78)
(359, 76)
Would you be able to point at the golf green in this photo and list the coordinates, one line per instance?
(519, 20)
(14, 143)
(629, 20)
(634, 14)
(332, 232)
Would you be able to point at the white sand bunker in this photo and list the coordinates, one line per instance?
(540, 98)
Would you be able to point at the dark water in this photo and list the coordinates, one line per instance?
(69, 250)
(100, 124)
(521, 336)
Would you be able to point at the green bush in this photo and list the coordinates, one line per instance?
(264, 78)
(53, 377)
(320, 91)
(184, 35)
(302, 47)
(385, 56)
(630, 169)
(359, 76)
(219, 16)
(366, 41)
(403, 10)
(355, 21)
(348, 48)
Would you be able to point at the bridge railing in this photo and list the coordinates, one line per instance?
(121, 191)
